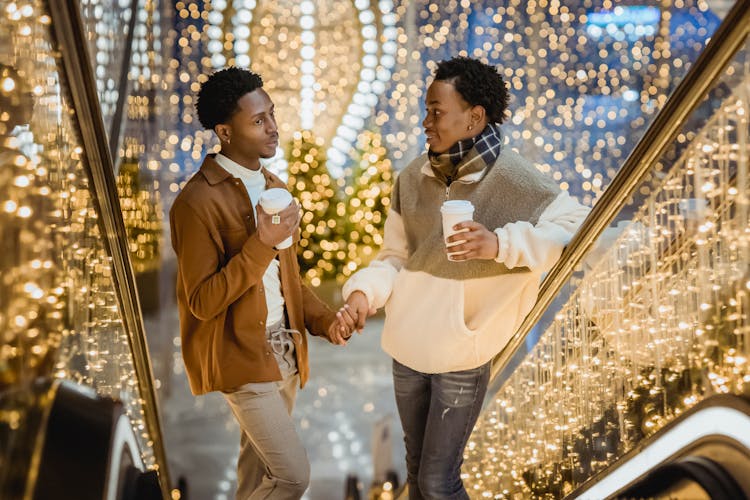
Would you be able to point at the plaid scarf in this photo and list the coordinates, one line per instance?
(457, 161)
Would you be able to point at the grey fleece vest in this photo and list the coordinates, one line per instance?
(511, 190)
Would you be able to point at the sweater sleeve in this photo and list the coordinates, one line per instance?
(522, 244)
(376, 280)
(211, 287)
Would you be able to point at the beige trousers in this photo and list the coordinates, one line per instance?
(273, 462)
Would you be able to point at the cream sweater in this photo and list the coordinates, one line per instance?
(444, 316)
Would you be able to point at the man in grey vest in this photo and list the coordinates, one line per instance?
(453, 301)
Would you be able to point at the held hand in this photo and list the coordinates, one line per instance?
(339, 332)
(357, 309)
(272, 234)
(477, 241)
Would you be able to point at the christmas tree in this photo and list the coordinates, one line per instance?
(142, 214)
(368, 199)
(322, 246)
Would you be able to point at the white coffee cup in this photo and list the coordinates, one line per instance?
(273, 201)
(453, 212)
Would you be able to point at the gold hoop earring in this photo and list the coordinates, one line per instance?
(470, 127)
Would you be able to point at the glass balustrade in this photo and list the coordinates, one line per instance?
(655, 319)
(60, 310)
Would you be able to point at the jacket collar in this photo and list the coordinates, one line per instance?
(214, 173)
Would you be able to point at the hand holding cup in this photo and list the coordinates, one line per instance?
(278, 217)
(466, 239)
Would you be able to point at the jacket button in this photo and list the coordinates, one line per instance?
(261, 322)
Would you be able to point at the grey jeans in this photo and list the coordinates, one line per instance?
(273, 462)
(438, 412)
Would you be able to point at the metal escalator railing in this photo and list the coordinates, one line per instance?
(69, 33)
(727, 40)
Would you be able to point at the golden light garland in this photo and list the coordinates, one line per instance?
(368, 196)
(559, 60)
(321, 247)
(659, 323)
(142, 213)
(323, 63)
(106, 24)
(59, 311)
(141, 153)
(558, 66)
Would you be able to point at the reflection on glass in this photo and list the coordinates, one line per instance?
(59, 313)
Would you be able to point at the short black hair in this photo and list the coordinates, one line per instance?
(478, 83)
(218, 96)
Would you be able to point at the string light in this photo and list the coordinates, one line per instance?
(59, 311)
(142, 213)
(106, 49)
(241, 20)
(377, 61)
(586, 78)
(581, 97)
(137, 181)
(307, 68)
(321, 248)
(368, 196)
(659, 323)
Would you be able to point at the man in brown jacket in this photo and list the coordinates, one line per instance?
(243, 308)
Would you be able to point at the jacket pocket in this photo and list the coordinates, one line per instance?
(460, 317)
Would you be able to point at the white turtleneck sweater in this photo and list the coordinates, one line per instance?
(255, 183)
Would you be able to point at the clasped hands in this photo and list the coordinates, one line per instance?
(473, 242)
(350, 317)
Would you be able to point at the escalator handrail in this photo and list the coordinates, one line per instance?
(708, 68)
(708, 474)
(68, 30)
(718, 417)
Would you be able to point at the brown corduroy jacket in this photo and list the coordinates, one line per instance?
(220, 293)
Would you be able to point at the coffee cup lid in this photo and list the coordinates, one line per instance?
(457, 206)
(276, 194)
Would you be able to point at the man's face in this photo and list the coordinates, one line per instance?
(448, 117)
(253, 131)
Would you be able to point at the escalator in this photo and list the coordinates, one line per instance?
(704, 453)
(639, 382)
(72, 443)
